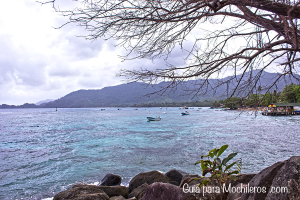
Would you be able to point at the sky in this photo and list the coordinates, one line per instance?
(39, 62)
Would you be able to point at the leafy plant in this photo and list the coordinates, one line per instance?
(221, 170)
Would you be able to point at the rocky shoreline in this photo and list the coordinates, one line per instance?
(279, 181)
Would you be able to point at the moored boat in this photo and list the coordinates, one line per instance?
(154, 118)
(185, 113)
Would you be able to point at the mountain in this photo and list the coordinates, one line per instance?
(137, 93)
(44, 101)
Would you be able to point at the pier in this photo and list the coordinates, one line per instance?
(282, 109)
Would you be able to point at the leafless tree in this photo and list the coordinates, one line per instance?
(229, 36)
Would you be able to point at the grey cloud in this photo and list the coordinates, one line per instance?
(83, 49)
(77, 46)
(18, 66)
(63, 70)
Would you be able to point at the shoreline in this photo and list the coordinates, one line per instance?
(270, 183)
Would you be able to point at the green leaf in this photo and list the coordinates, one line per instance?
(196, 163)
(222, 149)
(207, 163)
(216, 152)
(203, 166)
(194, 179)
(211, 153)
(229, 157)
(204, 182)
(239, 165)
(219, 162)
(229, 166)
(234, 172)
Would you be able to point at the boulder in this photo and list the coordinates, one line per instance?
(191, 179)
(236, 195)
(82, 192)
(175, 176)
(261, 182)
(111, 180)
(115, 190)
(213, 190)
(117, 198)
(138, 192)
(147, 177)
(240, 181)
(165, 191)
(286, 184)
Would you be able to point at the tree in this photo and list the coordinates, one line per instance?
(291, 94)
(253, 100)
(266, 99)
(241, 36)
(233, 102)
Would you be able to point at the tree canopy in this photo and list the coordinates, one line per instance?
(290, 94)
(227, 36)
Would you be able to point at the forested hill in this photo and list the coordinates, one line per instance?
(121, 95)
(138, 93)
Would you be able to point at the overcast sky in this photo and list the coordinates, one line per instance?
(40, 62)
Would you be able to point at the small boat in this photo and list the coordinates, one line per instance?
(154, 118)
(185, 113)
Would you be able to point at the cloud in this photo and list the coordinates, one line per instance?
(38, 61)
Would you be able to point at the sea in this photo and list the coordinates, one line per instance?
(44, 151)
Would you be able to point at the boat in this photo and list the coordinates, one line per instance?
(185, 113)
(154, 118)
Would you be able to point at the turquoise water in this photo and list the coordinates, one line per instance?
(43, 151)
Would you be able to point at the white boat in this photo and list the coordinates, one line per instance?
(154, 118)
(185, 113)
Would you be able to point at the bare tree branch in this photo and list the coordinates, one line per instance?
(241, 36)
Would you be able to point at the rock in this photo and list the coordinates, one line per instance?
(165, 191)
(115, 190)
(175, 176)
(117, 198)
(213, 189)
(236, 195)
(262, 182)
(82, 192)
(287, 179)
(137, 192)
(111, 180)
(189, 179)
(147, 177)
(240, 181)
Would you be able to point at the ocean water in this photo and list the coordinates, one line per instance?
(44, 151)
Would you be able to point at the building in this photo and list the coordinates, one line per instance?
(281, 109)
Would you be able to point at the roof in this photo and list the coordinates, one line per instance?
(286, 104)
